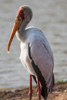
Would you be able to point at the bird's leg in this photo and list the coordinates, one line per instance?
(39, 91)
(30, 89)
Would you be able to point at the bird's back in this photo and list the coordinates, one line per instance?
(34, 34)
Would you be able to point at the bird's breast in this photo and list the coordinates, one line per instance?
(25, 60)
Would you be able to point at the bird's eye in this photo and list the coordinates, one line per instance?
(21, 14)
(19, 18)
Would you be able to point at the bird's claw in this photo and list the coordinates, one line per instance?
(30, 95)
(39, 95)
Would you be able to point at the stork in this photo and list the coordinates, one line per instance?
(36, 54)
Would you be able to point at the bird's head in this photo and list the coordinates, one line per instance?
(22, 13)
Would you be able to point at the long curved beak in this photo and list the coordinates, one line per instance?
(16, 26)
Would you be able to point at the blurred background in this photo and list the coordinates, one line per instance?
(48, 15)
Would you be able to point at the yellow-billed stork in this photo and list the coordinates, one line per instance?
(36, 54)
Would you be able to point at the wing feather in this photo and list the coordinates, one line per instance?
(42, 61)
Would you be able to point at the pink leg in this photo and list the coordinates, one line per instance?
(30, 89)
(39, 91)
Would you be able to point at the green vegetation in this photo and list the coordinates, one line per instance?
(60, 82)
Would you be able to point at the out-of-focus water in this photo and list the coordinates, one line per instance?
(48, 15)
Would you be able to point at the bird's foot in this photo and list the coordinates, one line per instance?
(30, 89)
(39, 95)
(30, 95)
(39, 91)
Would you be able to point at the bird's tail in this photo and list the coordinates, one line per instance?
(43, 93)
(50, 88)
(51, 84)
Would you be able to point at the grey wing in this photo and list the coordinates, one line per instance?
(42, 62)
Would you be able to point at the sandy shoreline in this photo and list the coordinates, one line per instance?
(59, 93)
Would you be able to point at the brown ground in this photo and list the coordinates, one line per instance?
(59, 93)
